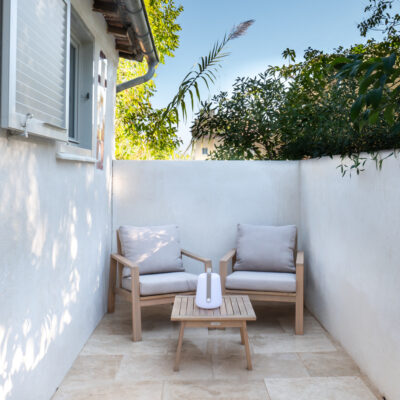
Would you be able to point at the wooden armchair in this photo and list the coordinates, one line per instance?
(132, 291)
(295, 295)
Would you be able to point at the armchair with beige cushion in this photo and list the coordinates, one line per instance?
(148, 269)
(266, 267)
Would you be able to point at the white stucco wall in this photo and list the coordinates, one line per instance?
(206, 199)
(350, 234)
(348, 228)
(55, 240)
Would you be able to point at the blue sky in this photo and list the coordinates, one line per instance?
(321, 24)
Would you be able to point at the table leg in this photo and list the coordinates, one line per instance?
(247, 346)
(241, 335)
(179, 348)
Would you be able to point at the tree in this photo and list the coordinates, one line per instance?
(143, 132)
(376, 68)
(135, 116)
(381, 18)
(294, 111)
(245, 121)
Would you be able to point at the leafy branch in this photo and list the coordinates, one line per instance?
(205, 71)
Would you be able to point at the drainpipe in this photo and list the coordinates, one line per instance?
(140, 24)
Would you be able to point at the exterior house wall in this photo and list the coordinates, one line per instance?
(350, 235)
(208, 143)
(54, 248)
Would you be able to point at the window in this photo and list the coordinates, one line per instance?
(81, 57)
(34, 66)
(47, 71)
(204, 151)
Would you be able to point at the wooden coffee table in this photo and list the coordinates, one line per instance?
(234, 312)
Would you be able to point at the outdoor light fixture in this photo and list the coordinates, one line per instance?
(209, 294)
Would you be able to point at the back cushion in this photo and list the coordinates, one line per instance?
(155, 249)
(265, 248)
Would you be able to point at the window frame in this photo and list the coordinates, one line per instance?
(85, 83)
(74, 43)
(9, 118)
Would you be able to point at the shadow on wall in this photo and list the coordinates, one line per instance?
(47, 234)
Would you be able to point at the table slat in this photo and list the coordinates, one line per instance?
(223, 307)
(233, 308)
(196, 310)
(249, 307)
(183, 306)
(176, 307)
(229, 307)
(242, 307)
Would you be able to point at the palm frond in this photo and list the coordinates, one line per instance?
(205, 71)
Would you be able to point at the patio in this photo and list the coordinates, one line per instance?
(69, 180)
(111, 366)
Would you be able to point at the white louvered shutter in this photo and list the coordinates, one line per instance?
(38, 60)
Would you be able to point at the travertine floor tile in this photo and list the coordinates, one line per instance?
(144, 390)
(112, 344)
(91, 370)
(114, 326)
(338, 388)
(264, 365)
(228, 345)
(221, 390)
(213, 362)
(160, 367)
(159, 328)
(264, 327)
(311, 325)
(192, 346)
(290, 343)
(336, 363)
(194, 333)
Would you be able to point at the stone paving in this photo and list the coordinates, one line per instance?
(213, 364)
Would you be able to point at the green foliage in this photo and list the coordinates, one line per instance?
(378, 89)
(381, 18)
(245, 121)
(376, 69)
(204, 72)
(143, 132)
(135, 135)
(295, 111)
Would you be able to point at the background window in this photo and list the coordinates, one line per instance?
(204, 151)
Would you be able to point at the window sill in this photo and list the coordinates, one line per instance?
(67, 152)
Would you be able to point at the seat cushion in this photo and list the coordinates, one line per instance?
(265, 248)
(155, 249)
(170, 282)
(262, 281)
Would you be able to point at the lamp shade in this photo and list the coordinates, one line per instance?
(208, 294)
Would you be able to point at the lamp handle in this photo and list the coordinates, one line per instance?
(208, 285)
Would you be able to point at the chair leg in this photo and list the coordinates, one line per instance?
(136, 312)
(111, 285)
(299, 322)
(299, 296)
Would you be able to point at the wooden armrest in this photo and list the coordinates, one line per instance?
(205, 261)
(223, 267)
(229, 255)
(300, 258)
(124, 261)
